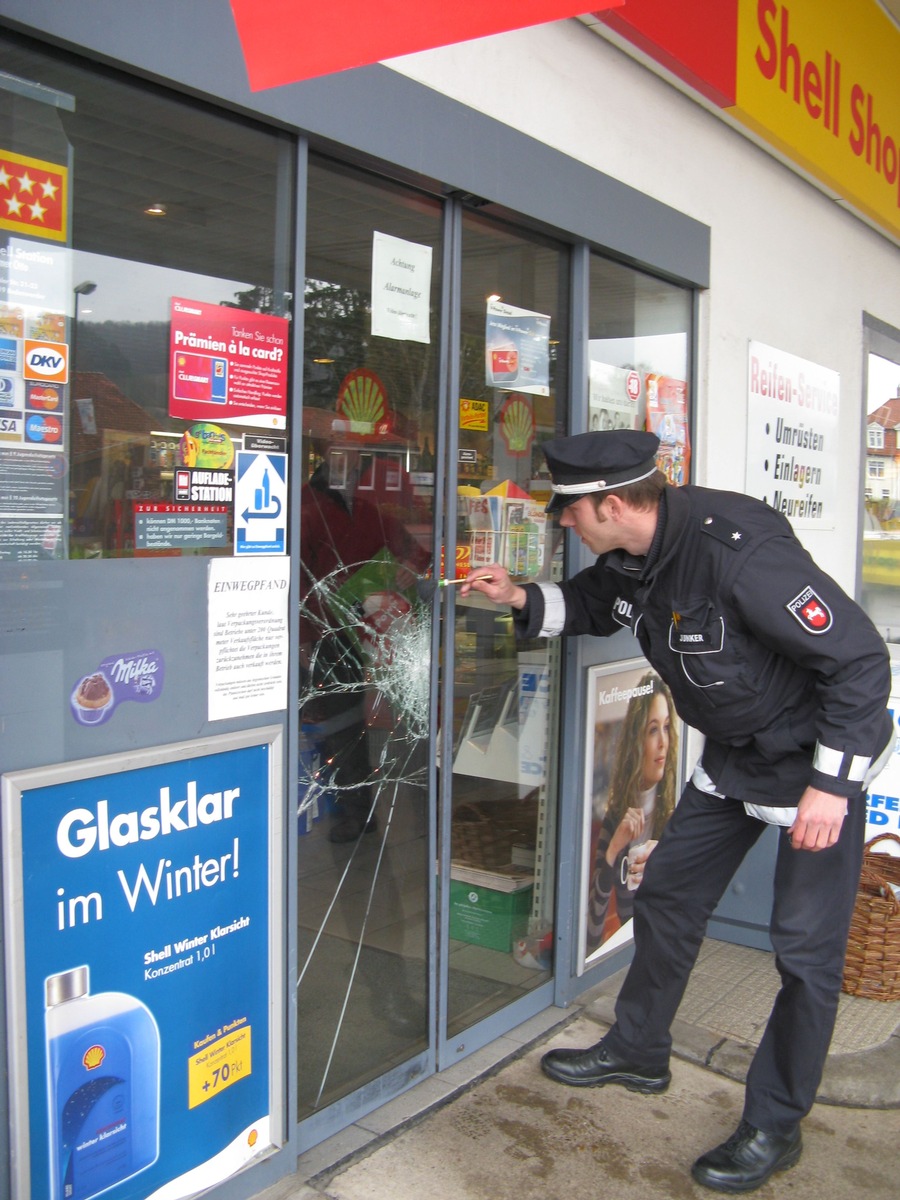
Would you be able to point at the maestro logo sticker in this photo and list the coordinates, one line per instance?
(43, 429)
(46, 361)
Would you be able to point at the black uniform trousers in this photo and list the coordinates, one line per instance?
(701, 847)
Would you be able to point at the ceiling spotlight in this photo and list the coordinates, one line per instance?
(158, 209)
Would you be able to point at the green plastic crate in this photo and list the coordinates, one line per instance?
(484, 917)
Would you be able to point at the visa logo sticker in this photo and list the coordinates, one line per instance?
(11, 427)
(46, 361)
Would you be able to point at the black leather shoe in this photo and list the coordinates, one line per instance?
(747, 1159)
(599, 1065)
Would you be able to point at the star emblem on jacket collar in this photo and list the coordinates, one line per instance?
(724, 531)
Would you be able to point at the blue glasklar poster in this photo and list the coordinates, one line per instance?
(140, 926)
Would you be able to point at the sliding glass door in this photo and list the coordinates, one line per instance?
(513, 356)
(366, 534)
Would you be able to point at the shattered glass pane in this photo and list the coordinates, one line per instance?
(364, 704)
(366, 541)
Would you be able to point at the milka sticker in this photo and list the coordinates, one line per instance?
(121, 677)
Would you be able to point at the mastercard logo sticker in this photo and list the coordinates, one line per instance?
(43, 396)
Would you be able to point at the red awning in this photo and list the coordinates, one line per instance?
(288, 40)
(694, 39)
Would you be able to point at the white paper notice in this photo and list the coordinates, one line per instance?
(792, 436)
(401, 289)
(248, 636)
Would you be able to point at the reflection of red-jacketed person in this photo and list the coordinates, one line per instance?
(341, 534)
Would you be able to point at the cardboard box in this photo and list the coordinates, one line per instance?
(484, 917)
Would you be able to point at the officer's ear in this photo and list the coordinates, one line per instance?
(611, 507)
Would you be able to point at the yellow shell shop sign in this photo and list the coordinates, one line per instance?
(821, 81)
(818, 80)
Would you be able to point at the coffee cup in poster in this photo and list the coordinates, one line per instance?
(633, 864)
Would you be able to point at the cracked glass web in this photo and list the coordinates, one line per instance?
(364, 707)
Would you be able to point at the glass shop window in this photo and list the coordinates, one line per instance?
(513, 396)
(144, 317)
(880, 547)
(639, 349)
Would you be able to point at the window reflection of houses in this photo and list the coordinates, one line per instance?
(882, 481)
(881, 523)
(115, 461)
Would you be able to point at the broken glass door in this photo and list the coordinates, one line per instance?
(366, 536)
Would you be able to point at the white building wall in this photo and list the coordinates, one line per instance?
(789, 267)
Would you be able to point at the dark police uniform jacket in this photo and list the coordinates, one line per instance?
(764, 653)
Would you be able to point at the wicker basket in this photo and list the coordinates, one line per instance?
(872, 968)
(484, 833)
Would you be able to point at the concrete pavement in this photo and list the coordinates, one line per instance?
(488, 1130)
(519, 1136)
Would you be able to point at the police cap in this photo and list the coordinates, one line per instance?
(598, 462)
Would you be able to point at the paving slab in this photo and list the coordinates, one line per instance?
(519, 1136)
(492, 1126)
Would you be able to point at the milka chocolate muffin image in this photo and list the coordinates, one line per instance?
(93, 691)
(92, 697)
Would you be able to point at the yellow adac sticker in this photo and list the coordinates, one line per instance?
(475, 414)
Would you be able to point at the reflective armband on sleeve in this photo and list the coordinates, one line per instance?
(554, 610)
(840, 765)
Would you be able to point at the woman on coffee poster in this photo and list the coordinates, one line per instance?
(633, 785)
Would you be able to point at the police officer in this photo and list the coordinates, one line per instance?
(788, 680)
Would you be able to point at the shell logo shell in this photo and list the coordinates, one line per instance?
(252, 1137)
(362, 400)
(93, 1057)
(517, 425)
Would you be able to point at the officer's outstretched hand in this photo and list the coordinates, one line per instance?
(820, 816)
(494, 582)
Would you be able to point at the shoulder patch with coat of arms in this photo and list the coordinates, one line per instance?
(811, 611)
